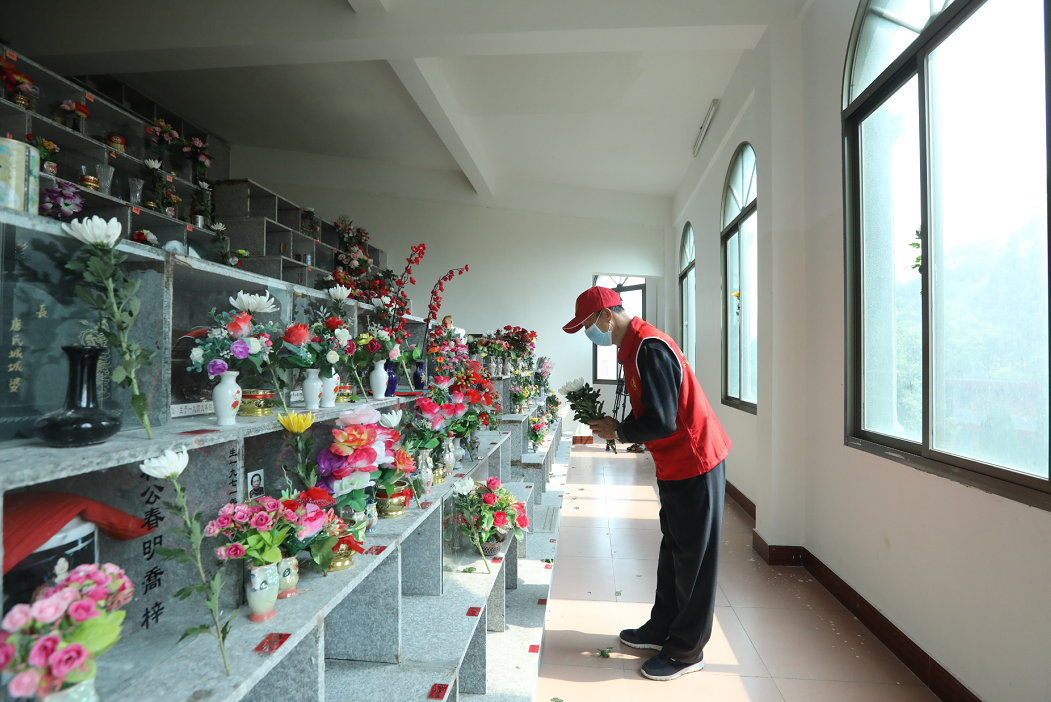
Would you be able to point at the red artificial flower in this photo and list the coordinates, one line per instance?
(241, 325)
(296, 334)
(500, 519)
(333, 323)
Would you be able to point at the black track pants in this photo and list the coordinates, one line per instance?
(684, 607)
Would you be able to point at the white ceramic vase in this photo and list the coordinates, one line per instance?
(329, 388)
(378, 380)
(312, 388)
(226, 397)
(262, 591)
(81, 692)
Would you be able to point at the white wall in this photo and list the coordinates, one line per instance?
(526, 267)
(964, 573)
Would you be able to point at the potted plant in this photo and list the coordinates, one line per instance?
(487, 513)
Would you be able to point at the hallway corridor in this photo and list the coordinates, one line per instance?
(779, 636)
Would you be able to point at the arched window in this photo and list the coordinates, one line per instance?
(947, 285)
(740, 282)
(688, 294)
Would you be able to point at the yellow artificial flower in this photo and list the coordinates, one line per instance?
(736, 294)
(295, 422)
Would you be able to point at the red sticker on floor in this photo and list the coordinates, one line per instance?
(554, 540)
(534, 648)
(271, 643)
(547, 566)
(474, 611)
(437, 691)
(498, 559)
(542, 601)
(375, 550)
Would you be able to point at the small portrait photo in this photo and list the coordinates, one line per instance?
(255, 484)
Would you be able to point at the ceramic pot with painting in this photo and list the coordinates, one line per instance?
(262, 589)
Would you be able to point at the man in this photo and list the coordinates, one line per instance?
(680, 430)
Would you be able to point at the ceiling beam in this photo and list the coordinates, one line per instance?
(426, 83)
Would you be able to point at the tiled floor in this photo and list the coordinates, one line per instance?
(779, 635)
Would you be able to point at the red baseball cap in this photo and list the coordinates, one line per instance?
(588, 303)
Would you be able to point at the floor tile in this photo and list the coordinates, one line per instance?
(641, 544)
(584, 541)
(700, 687)
(580, 648)
(822, 645)
(831, 691)
(755, 584)
(636, 580)
(580, 684)
(583, 579)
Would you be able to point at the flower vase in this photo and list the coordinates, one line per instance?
(378, 380)
(491, 549)
(508, 366)
(81, 692)
(262, 591)
(388, 506)
(288, 577)
(312, 387)
(418, 376)
(82, 422)
(425, 468)
(329, 388)
(372, 516)
(449, 454)
(392, 379)
(459, 451)
(226, 397)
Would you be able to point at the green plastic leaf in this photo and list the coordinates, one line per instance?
(97, 635)
(85, 672)
(272, 554)
(177, 554)
(119, 375)
(203, 629)
(185, 592)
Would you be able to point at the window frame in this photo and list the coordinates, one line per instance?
(619, 289)
(913, 61)
(691, 267)
(734, 227)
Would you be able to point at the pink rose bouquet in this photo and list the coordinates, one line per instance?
(51, 644)
(255, 530)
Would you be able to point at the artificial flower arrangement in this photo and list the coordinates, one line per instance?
(447, 349)
(364, 453)
(325, 344)
(196, 151)
(236, 342)
(161, 193)
(256, 530)
(72, 108)
(477, 346)
(52, 644)
(201, 201)
(163, 137)
(487, 513)
(537, 431)
(552, 404)
(63, 201)
(111, 294)
(145, 236)
(520, 341)
(320, 532)
(584, 402)
(378, 344)
(15, 81)
(169, 466)
(354, 254)
(543, 374)
(47, 149)
(221, 244)
(518, 396)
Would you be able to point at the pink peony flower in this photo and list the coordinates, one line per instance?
(48, 610)
(98, 593)
(68, 659)
(493, 484)
(223, 521)
(211, 528)
(82, 610)
(17, 618)
(235, 551)
(7, 652)
(262, 521)
(24, 684)
(220, 553)
(43, 649)
(489, 499)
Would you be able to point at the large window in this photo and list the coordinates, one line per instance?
(947, 286)
(633, 294)
(688, 295)
(740, 259)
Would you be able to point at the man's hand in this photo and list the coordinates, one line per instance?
(605, 428)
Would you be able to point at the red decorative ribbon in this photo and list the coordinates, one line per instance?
(258, 396)
(406, 493)
(351, 542)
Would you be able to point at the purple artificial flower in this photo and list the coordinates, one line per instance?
(216, 366)
(240, 349)
(327, 464)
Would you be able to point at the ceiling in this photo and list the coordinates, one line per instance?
(587, 93)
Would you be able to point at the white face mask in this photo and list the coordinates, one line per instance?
(597, 336)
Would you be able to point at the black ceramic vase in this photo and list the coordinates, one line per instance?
(82, 422)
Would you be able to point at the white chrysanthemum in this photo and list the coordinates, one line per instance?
(197, 355)
(383, 335)
(203, 186)
(342, 335)
(254, 345)
(153, 163)
(95, 231)
(572, 386)
(331, 356)
(339, 292)
(218, 227)
(391, 420)
(254, 304)
(463, 486)
(167, 466)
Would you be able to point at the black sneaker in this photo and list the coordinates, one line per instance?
(662, 667)
(630, 637)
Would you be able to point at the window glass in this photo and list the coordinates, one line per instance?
(889, 26)
(606, 364)
(686, 252)
(749, 309)
(989, 332)
(741, 184)
(618, 281)
(892, 361)
(733, 316)
(688, 291)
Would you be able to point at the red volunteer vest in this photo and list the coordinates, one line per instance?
(699, 442)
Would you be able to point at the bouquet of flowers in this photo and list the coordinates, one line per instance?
(163, 137)
(257, 529)
(14, 80)
(537, 431)
(584, 402)
(520, 341)
(197, 151)
(47, 149)
(321, 532)
(52, 644)
(488, 512)
(72, 108)
(363, 453)
(63, 201)
(447, 348)
(377, 344)
(324, 344)
(518, 396)
(236, 342)
(543, 373)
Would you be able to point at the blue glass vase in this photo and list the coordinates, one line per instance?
(392, 378)
(417, 376)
